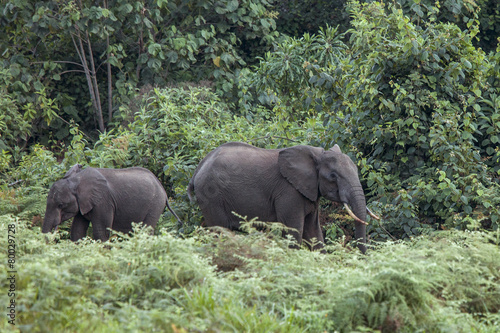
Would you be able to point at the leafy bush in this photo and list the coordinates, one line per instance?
(411, 98)
(172, 130)
(176, 127)
(12, 125)
(298, 17)
(489, 115)
(284, 80)
(438, 282)
(82, 60)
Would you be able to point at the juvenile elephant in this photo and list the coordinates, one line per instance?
(110, 198)
(277, 185)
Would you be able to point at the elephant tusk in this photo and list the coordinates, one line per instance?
(354, 216)
(371, 214)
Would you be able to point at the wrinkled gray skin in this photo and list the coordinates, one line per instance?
(277, 185)
(109, 198)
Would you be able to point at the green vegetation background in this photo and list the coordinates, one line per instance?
(410, 90)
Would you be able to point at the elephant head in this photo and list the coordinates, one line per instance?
(331, 174)
(70, 196)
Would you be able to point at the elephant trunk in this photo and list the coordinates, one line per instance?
(49, 223)
(359, 209)
(46, 227)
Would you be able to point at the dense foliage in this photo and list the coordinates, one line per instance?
(410, 90)
(298, 17)
(418, 104)
(252, 283)
(79, 60)
(414, 95)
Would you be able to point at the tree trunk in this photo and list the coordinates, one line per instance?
(100, 119)
(90, 74)
(110, 79)
(110, 91)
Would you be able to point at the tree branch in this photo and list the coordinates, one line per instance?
(273, 137)
(16, 182)
(72, 71)
(59, 62)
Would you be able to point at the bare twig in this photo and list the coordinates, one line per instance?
(381, 226)
(16, 182)
(81, 54)
(59, 62)
(70, 124)
(273, 137)
(72, 71)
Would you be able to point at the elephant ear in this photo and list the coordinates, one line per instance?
(73, 170)
(299, 166)
(336, 149)
(92, 190)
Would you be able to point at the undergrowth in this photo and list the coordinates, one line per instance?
(219, 281)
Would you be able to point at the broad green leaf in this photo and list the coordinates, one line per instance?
(179, 43)
(232, 5)
(154, 48)
(265, 23)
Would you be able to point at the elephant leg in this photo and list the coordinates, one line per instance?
(220, 213)
(102, 220)
(292, 218)
(79, 228)
(312, 229)
(301, 214)
(296, 233)
(151, 220)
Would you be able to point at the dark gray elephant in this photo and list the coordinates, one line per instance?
(277, 185)
(109, 198)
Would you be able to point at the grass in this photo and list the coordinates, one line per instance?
(226, 282)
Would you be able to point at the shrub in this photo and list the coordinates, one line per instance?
(412, 96)
(176, 127)
(436, 282)
(172, 130)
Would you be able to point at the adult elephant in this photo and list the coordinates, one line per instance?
(277, 185)
(109, 198)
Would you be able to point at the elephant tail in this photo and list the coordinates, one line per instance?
(190, 190)
(173, 213)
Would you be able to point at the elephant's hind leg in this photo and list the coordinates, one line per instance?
(219, 213)
(151, 220)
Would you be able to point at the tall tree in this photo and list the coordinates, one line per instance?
(123, 45)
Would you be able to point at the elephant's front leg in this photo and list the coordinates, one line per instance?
(294, 220)
(79, 227)
(102, 219)
(312, 229)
